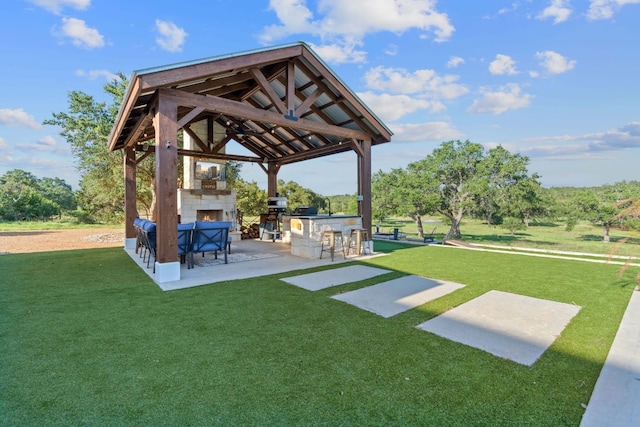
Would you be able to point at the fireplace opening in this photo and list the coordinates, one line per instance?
(209, 215)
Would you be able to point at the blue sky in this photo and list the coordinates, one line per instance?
(554, 80)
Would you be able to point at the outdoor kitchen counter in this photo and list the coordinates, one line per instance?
(304, 232)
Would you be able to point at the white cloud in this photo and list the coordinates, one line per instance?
(605, 9)
(80, 34)
(393, 107)
(558, 10)
(340, 53)
(430, 131)
(507, 98)
(17, 117)
(391, 50)
(514, 6)
(503, 64)
(625, 137)
(3, 145)
(55, 6)
(171, 36)
(554, 63)
(47, 141)
(346, 23)
(95, 74)
(423, 82)
(454, 61)
(44, 145)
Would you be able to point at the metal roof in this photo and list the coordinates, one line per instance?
(282, 103)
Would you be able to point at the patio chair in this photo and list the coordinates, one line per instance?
(211, 237)
(185, 240)
(430, 237)
(148, 236)
(137, 225)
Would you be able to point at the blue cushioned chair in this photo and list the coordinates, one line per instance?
(211, 237)
(185, 240)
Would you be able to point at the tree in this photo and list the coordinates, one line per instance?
(25, 197)
(232, 173)
(508, 189)
(384, 198)
(86, 127)
(458, 178)
(299, 196)
(598, 209)
(450, 181)
(250, 199)
(59, 192)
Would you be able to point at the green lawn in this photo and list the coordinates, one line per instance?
(86, 338)
(585, 237)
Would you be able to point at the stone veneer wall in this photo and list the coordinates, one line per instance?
(190, 202)
(192, 198)
(305, 233)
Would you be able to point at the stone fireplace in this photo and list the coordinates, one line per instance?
(203, 196)
(210, 215)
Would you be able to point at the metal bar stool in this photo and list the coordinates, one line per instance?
(359, 240)
(330, 237)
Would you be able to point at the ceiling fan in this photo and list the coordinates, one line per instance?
(240, 130)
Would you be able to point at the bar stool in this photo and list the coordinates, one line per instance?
(330, 237)
(359, 240)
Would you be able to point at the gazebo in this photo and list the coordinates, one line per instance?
(283, 104)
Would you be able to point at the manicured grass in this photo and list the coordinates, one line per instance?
(585, 237)
(87, 339)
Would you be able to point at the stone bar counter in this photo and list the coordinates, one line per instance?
(304, 233)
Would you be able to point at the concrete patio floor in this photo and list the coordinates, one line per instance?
(279, 260)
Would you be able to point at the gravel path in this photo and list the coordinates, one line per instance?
(56, 240)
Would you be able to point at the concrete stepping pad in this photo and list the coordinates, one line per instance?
(514, 327)
(395, 296)
(334, 277)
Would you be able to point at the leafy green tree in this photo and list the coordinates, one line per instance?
(299, 196)
(59, 192)
(232, 171)
(24, 197)
(508, 188)
(344, 203)
(251, 200)
(449, 181)
(86, 126)
(455, 179)
(411, 198)
(384, 196)
(597, 208)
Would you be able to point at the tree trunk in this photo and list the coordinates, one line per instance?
(454, 231)
(418, 220)
(154, 201)
(525, 218)
(606, 233)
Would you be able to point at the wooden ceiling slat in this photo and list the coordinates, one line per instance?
(271, 72)
(189, 116)
(268, 90)
(238, 109)
(345, 92)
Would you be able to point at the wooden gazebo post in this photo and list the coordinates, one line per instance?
(130, 211)
(364, 182)
(272, 179)
(166, 150)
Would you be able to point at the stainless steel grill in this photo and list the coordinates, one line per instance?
(277, 204)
